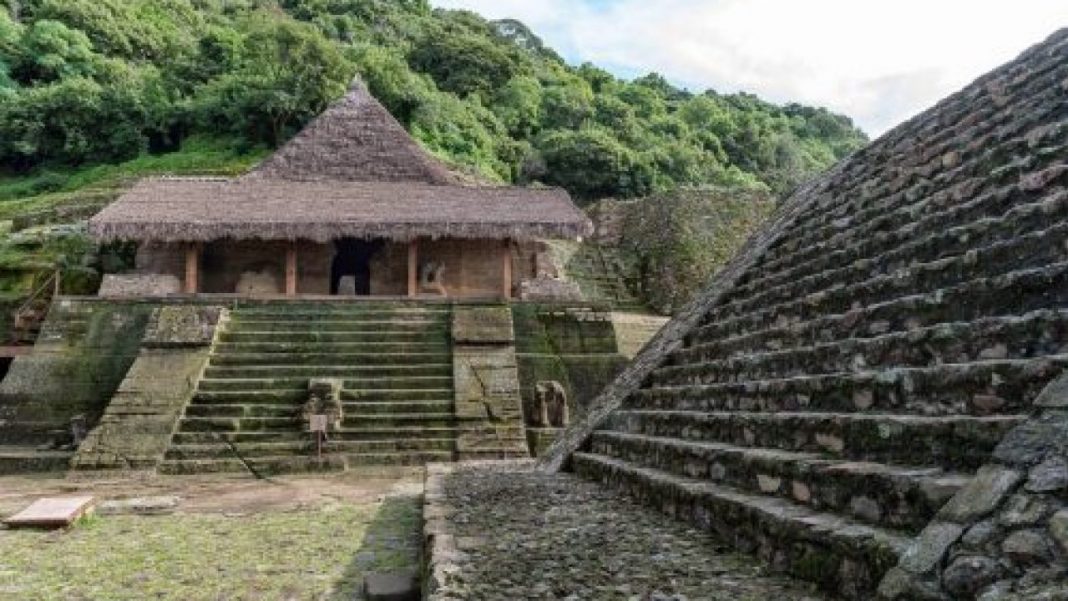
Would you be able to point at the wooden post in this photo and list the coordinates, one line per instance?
(413, 268)
(291, 269)
(506, 270)
(192, 268)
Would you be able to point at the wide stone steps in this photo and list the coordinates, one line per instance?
(353, 372)
(955, 441)
(281, 347)
(856, 216)
(1002, 249)
(1017, 292)
(420, 334)
(289, 464)
(896, 497)
(326, 358)
(806, 543)
(979, 222)
(293, 410)
(395, 364)
(356, 434)
(307, 447)
(976, 388)
(1008, 337)
(1026, 252)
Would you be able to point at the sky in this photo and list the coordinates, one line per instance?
(877, 61)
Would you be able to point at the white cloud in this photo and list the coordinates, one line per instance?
(879, 61)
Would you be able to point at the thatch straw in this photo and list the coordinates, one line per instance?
(202, 210)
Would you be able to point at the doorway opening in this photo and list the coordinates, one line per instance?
(352, 257)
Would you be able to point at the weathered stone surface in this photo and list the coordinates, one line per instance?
(138, 285)
(1023, 510)
(1033, 440)
(183, 326)
(981, 496)
(139, 506)
(1049, 476)
(980, 534)
(1055, 394)
(548, 288)
(391, 586)
(927, 551)
(1027, 546)
(482, 325)
(968, 575)
(1058, 527)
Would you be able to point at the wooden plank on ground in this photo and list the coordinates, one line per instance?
(51, 512)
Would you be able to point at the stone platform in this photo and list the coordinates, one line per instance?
(502, 530)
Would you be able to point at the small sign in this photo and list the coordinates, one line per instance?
(317, 423)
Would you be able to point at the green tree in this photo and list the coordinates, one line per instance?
(49, 51)
(518, 105)
(591, 163)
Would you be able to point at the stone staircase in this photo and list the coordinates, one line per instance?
(847, 385)
(600, 275)
(395, 361)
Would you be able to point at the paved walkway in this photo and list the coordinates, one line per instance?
(525, 535)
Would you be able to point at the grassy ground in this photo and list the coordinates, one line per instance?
(300, 538)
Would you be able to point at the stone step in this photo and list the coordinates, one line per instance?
(850, 221)
(294, 410)
(841, 554)
(294, 310)
(954, 442)
(976, 388)
(265, 397)
(240, 424)
(385, 346)
(1015, 293)
(294, 464)
(353, 420)
(1005, 337)
(399, 373)
(896, 497)
(890, 251)
(296, 433)
(328, 358)
(326, 325)
(838, 292)
(423, 387)
(306, 447)
(407, 335)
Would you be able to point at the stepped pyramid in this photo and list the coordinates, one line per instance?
(862, 357)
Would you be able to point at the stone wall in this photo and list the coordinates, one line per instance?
(82, 354)
(1005, 534)
(574, 345)
(486, 384)
(137, 426)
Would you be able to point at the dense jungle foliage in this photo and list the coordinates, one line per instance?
(105, 81)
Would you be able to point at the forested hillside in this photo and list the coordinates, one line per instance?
(94, 93)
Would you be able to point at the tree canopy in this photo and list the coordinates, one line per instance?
(95, 81)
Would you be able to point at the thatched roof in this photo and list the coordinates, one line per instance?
(352, 172)
(355, 139)
(203, 209)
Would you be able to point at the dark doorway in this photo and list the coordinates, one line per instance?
(353, 257)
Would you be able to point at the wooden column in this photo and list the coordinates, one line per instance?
(291, 269)
(413, 268)
(192, 268)
(506, 270)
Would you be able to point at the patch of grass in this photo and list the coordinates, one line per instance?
(308, 553)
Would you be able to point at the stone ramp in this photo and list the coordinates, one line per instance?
(502, 530)
(897, 323)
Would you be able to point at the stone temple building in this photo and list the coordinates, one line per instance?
(868, 395)
(350, 277)
(352, 195)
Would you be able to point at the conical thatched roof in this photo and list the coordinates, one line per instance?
(356, 139)
(353, 171)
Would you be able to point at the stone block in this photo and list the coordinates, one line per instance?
(138, 285)
(182, 326)
(1058, 527)
(482, 325)
(1027, 546)
(258, 283)
(927, 551)
(391, 586)
(981, 496)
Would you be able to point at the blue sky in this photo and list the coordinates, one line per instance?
(878, 61)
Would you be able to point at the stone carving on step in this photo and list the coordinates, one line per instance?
(324, 398)
(551, 408)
